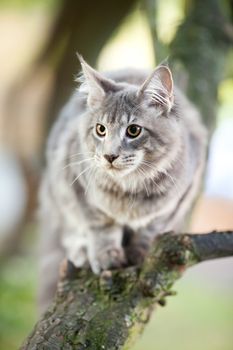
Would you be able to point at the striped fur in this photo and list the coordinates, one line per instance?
(86, 206)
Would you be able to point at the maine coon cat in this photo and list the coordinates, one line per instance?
(125, 157)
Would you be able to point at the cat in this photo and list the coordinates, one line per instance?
(124, 163)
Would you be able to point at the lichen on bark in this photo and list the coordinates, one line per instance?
(110, 311)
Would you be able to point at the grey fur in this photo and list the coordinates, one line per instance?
(86, 206)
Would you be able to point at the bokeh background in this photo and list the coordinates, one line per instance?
(38, 44)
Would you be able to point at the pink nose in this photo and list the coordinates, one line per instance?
(110, 157)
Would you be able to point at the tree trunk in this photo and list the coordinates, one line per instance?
(200, 47)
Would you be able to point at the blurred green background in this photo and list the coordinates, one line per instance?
(39, 39)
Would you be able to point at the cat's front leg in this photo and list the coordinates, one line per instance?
(75, 244)
(137, 244)
(105, 249)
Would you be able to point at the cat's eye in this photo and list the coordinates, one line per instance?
(133, 130)
(100, 130)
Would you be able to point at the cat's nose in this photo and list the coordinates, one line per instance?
(111, 157)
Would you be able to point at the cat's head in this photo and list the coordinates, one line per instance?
(130, 128)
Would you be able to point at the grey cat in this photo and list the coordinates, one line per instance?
(124, 158)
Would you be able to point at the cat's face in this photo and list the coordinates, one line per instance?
(129, 130)
(118, 143)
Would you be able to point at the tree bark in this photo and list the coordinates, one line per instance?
(111, 310)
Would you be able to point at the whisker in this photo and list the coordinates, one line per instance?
(151, 178)
(77, 163)
(80, 154)
(89, 180)
(133, 194)
(82, 172)
(149, 165)
(95, 176)
(172, 180)
(144, 184)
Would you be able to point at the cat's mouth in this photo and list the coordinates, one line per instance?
(117, 170)
(112, 167)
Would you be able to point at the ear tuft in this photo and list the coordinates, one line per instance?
(90, 81)
(157, 90)
(94, 85)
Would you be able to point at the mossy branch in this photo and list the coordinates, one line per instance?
(110, 311)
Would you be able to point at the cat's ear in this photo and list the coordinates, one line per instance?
(157, 90)
(94, 85)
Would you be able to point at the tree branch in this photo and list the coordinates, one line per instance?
(110, 311)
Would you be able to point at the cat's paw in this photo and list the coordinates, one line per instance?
(111, 258)
(136, 253)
